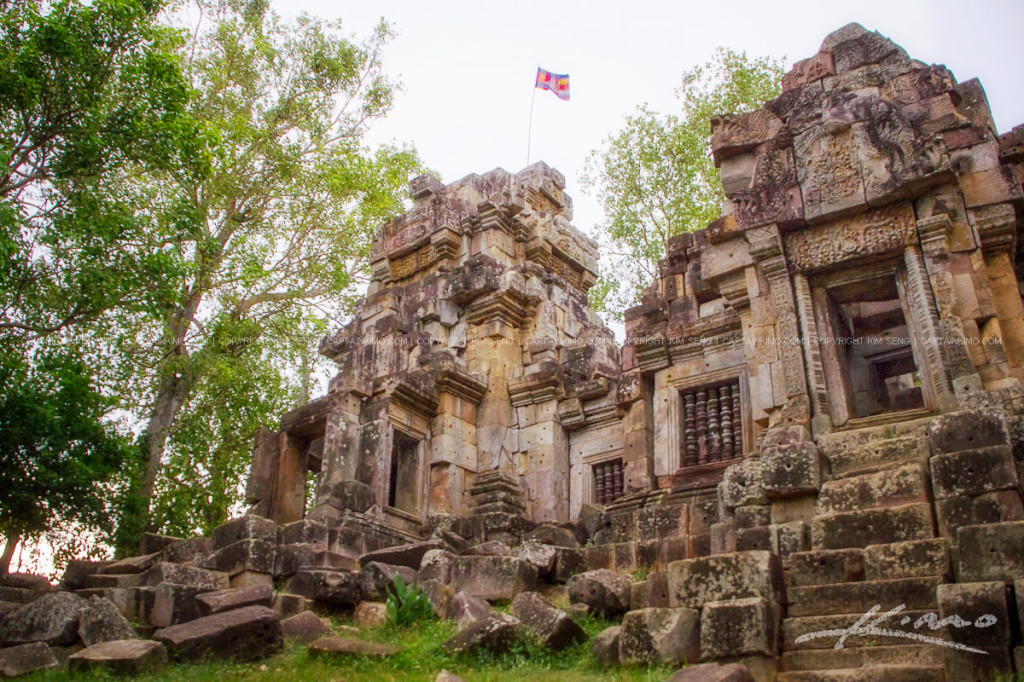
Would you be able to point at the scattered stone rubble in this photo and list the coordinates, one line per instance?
(780, 446)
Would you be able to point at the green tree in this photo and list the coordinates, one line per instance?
(275, 239)
(89, 91)
(656, 177)
(57, 452)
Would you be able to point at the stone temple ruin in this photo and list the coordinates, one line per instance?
(818, 408)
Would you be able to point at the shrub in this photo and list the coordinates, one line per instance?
(407, 605)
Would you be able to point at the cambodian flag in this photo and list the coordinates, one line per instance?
(557, 83)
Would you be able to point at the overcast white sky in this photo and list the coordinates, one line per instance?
(468, 66)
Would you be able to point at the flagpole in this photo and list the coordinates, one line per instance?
(529, 129)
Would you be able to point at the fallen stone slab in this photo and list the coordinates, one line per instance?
(713, 672)
(605, 646)
(78, 570)
(174, 604)
(370, 614)
(489, 548)
(739, 575)
(338, 588)
(305, 627)
(376, 579)
(465, 609)
(26, 658)
(249, 527)
(101, 621)
(341, 646)
(497, 632)
(541, 557)
(132, 564)
(123, 656)
(607, 593)
(165, 572)
(190, 551)
(27, 581)
(491, 577)
(53, 619)
(403, 555)
(658, 635)
(219, 601)
(288, 605)
(243, 634)
(552, 627)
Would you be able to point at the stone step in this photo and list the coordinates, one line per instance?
(877, 455)
(858, 597)
(873, 527)
(837, 441)
(793, 628)
(899, 485)
(873, 673)
(858, 657)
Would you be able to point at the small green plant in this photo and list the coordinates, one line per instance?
(640, 574)
(407, 605)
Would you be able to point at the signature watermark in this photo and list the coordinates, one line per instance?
(863, 627)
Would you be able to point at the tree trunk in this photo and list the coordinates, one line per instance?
(170, 397)
(13, 538)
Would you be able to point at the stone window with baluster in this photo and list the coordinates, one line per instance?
(712, 424)
(608, 480)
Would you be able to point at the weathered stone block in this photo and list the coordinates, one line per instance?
(466, 609)
(552, 627)
(492, 578)
(557, 536)
(748, 539)
(661, 636)
(972, 472)
(694, 582)
(977, 613)
(132, 564)
(122, 657)
(968, 430)
(752, 516)
(210, 603)
(568, 562)
(496, 632)
(26, 658)
(992, 552)
(173, 604)
(739, 627)
(101, 621)
(791, 470)
(376, 580)
(541, 557)
(351, 495)
(605, 646)
(918, 558)
(873, 527)
(606, 593)
(189, 551)
(334, 647)
(243, 634)
(52, 618)
(741, 484)
(338, 588)
(402, 555)
(288, 605)
(165, 572)
(244, 528)
(907, 484)
(305, 531)
(370, 614)
(713, 672)
(305, 627)
(256, 556)
(917, 594)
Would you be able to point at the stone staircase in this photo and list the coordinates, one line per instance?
(873, 543)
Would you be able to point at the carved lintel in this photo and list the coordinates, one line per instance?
(883, 231)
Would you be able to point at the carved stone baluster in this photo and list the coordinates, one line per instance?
(616, 479)
(690, 429)
(725, 406)
(737, 421)
(599, 483)
(702, 427)
(714, 434)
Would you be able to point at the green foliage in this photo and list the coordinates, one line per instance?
(56, 451)
(656, 177)
(407, 605)
(274, 240)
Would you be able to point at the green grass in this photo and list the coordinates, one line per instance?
(421, 658)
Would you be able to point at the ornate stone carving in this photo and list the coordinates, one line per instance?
(881, 231)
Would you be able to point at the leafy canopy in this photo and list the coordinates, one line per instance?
(656, 177)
